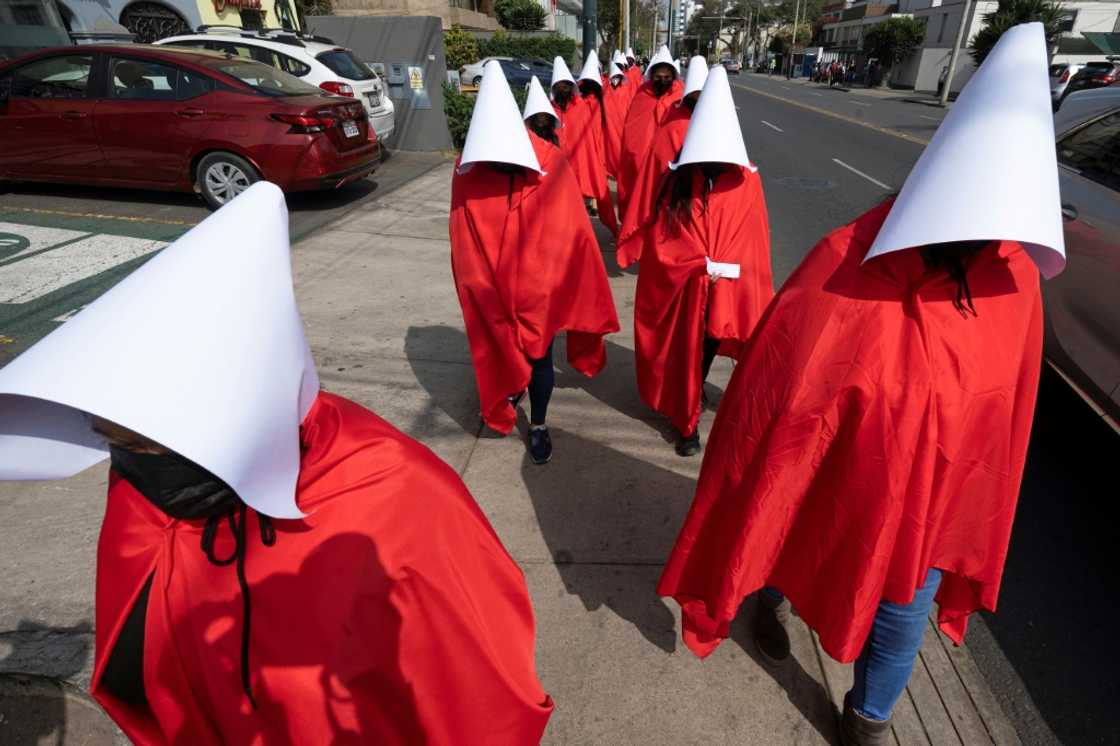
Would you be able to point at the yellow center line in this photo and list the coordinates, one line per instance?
(834, 115)
(97, 215)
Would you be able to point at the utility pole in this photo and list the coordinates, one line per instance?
(590, 30)
(653, 31)
(625, 25)
(965, 20)
(793, 39)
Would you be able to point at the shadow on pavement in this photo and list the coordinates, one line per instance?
(805, 693)
(1060, 598)
(429, 349)
(609, 525)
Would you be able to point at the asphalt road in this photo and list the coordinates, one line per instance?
(1049, 652)
(63, 246)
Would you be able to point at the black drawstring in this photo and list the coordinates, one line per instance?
(237, 529)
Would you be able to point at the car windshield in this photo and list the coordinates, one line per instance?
(342, 62)
(267, 80)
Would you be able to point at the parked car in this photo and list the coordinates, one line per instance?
(518, 73)
(732, 66)
(472, 74)
(314, 59)
(1093, 75)
(1082, 312)
(173, 119)
(1060, 75)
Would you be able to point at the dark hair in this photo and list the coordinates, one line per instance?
(547, 132)
(676, 195)
(597, 91)
(953, 257)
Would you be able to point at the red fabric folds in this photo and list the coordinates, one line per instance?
(676, 305)
(642, 120)
(869, 432)
(581, 139)
(617, 101)
(667, 144)
(391, 614)
(526, 266)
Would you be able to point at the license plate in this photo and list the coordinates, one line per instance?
(374, 99)
(350, 129)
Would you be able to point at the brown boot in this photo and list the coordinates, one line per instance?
(857, 730)
(770, 632)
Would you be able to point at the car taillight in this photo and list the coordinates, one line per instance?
(337, 88)
(306, 124)
(1065, 76)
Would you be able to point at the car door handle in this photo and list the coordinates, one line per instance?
(73, 115)
(190, 113)
(1069, 212)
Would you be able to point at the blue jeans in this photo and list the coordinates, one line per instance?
(883, 669)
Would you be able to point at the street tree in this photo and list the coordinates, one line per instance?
(520, 15)
(892, 41)
(1012, 13)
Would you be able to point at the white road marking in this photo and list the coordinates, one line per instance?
(814, 94)
(932, 119)
(68, 315)
(861, 173)
(859, 103)
(38, 238)
(25, 280)
(771, 126)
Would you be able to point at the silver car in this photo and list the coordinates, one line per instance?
(1060, 75)
(1083, 303)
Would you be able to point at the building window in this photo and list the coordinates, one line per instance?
(1069, 17)
(152, 22)
(252, 19)
(944, 23)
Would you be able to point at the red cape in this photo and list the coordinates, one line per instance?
(581, 139)
(674, 292)
(636, 75)
(391, 614)
(526, 266)
(642, 119)
(869, 433)
(667, 144)
(617, 101)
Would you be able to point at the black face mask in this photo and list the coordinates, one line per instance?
(661, 87)
(175, 485)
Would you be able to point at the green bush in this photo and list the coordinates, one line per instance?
(520, 15)
(1011, 13)
(457, 107)
(542, 46)
(459, 47)
(893, 40)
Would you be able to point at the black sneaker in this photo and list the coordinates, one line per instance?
(540, 445)
(689, 445)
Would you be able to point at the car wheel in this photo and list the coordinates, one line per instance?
(222, 176)
(477, 80)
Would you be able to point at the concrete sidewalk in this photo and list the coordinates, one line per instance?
(889, 94)
(591, 529)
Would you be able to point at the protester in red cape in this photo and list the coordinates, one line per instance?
(705, 277)
(593, 148)
(540, 118)
(868, 452)
(634, 71)
(661, 89)
(276, 564)
(667, 143)
(526, 264)
(618, 95)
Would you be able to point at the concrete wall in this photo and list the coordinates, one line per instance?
(400, 40)
(449, 16)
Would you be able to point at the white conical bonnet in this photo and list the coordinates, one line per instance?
(697, 75)
(616, 71)
(592, 70)
(620, 59)
(560, 73)
(497, 133)
(630, 53)
(201, 350)
(714, 135)
(990, 171)
(537, 102)
(662, 58)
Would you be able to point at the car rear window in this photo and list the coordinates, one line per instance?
(265, 79)
(1098, 66)
(343, 63)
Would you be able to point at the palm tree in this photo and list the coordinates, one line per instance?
(1012, 13)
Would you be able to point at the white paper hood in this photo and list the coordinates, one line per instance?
(592, 70)
(616, 71)
(662, 58)
(990, 171)
(537, 102)
(201, 349)
(630, 54)
(714, 135)
(697, 75)
(497, 133)
(560, 73)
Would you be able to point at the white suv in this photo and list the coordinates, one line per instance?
(314, 59)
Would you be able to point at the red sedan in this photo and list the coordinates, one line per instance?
(177, 120)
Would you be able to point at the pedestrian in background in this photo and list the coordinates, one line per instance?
(526, 264)
(619, 93)
(276, 563)
(868, 452)
(592, 151)
(662, 88)
(705, 275)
